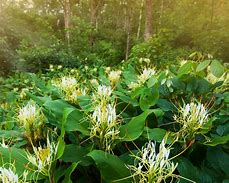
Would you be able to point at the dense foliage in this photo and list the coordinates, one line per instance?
(114, 91)
(132, 123)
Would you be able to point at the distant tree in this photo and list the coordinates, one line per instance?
(67, 18)
(148, 18)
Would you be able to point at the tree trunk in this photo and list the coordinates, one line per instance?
(140, 20)
(95, 7)
(67, 16)
(148, 19)
(127, 26)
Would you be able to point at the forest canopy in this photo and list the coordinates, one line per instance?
(36, 33)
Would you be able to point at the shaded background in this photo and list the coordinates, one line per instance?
(36, 33)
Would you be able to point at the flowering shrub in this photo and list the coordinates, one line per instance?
(125, 124)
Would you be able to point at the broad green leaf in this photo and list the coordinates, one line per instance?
(149, 98)
(68, 172)
(216, 140)
(110, 166)
(126, 98)
(156, 134)
(134, 128)
(77, 154)
(152, 81)
(54, 110)
(189, 171)
(74, 118)
(185, 69)
(218, 159)
(216, 68)
(10, 134)
(165, 105)
(75, 121)
(85, 102)
(201, 66)
(137, 92)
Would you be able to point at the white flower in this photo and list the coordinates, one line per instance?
(68, 82)
(43, 157)
(114, 76)
(192, 117)
(183, 62)
(146, 74)
(104, 114)
(27, 113)
(107, 69)
(104, 91)
(152, 166)
(3, 144)
(105, 126)
(8, 176)
(133, 85)
(195, 113)
(94, 82)
(59, 67)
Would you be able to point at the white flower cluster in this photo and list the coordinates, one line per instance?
(193, 114)
(69, 87)
(146, 74)
(31, 118)
(28, 113)
(104, 91)
(43, 157)
(104, 115)
(114, 76)
(105, 125)
(67, 82)
(152, 166)
(102, 95)
(8, 175)
(142, 78)
(192, 117)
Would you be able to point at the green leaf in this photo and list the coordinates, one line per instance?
(54, 111)
(188, 170)
(165, 105)
(216, 68)
(185, 69)
(77, 154)
(216, 140)
(149, 98)
(110, 166)
(218, 159)
(73, 118)
(14, 155)
(85, 102)
(75, 121)
(152, 81)
(126, 98)
(17, 157)
(201, 66)
(156, 134)
(68, 173)
(135, 127)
